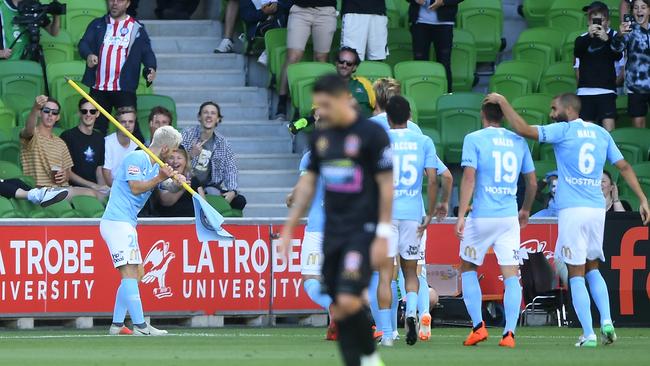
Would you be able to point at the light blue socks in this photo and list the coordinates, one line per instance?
(131, 297)
(394, 305)
(385, 324)
(372, 297)
(472, 297)
(119, 311)
(512, 303)
(423, 296)
(582, 304)
(598, 291)
(411, 304)
(313, 289)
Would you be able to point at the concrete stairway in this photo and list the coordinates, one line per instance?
(190, 73)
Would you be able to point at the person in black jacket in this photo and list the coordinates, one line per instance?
(432, 21)
(596, 64)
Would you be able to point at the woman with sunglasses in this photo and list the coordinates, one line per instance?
(86, 147)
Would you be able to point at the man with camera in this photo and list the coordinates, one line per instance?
(596, 64)
(14, 17)
(114, 46)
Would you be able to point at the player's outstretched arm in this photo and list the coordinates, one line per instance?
(630, 178)
(467, 185)
(529, 198)
(518, 124)
(432, 198)
(302, 195)
(142, 186)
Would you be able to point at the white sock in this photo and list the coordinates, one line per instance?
(34, 195)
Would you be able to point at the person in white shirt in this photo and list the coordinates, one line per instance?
(118, 144)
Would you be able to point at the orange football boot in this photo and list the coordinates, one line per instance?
(332, 332)
(508, 340)
(478, 335)
(425, 327)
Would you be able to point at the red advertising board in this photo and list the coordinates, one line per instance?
(67, 268)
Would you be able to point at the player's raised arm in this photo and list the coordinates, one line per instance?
(630, 178)
(141, 186)
(518, 124)
(302, 196)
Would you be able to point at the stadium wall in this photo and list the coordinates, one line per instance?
(54, 266)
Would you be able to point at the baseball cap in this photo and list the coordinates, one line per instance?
(596, 6)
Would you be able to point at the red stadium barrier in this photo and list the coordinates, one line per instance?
(53, 267)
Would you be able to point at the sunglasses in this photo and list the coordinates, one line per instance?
(346, 63)
(86, 111)
(54, 112)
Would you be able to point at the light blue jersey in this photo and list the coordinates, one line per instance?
(499, 156)
(581, 150)
(441, 166)
(316, 218)
(412, 154)
(123, 205)
(382, 120)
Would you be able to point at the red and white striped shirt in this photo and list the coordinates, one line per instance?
(113, 53)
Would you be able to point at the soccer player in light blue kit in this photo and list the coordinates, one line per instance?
(311, 254)
(581, 150)
(413, 155)
(493, 158)
(136, 178)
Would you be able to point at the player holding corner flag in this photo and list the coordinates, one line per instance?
(353, 158)
(493, 158)
(136, 178)
(414, 154)
(581, 149)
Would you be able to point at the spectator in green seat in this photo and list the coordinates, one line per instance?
(361, 88)
(158, 117)
(12, 38)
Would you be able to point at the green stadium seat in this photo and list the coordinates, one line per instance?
(87, 206)
(394, 14)
(614, 13)
(642, 171)
(275, 43)
(415, 116)
(634, 143)
(567, 15)
(546, 152)
(515, 78)
(143, 89)
(463, 61)
(569, 44)
(534, 108)
(301, 77)
(80, 13)
(10, 152)
(539, 45)
(434, 135)
(460, 101)
(9, 170)
(558, 78)
(61, 209)
(454, 125)
(222, 206)
(26, 209)
(535, 11)
(484, 19)
(7, 116)
(424, 81)
(59, 88)
(146, 103)
(21, 80)
(400, 46)
(373, 70)
(57, 49)
(544, 166)
(7, 210)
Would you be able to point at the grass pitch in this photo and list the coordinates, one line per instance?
(305, 346)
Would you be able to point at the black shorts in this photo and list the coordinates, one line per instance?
(596, 108)
(346, 267)
(637, 104)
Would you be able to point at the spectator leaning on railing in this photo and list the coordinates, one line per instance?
(114, 46)
(596, 64)
(12, 42)
(118, 145)
(633, 39)
(365, 28)
(213, 161)
(86, 147)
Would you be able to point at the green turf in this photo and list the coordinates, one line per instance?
(301, 346)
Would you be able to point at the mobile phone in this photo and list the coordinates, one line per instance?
(597, 21)
(628, 18)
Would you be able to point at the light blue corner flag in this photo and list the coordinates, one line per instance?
(208, 221)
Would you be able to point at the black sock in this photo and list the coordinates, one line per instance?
(348, 342)
(360, 327)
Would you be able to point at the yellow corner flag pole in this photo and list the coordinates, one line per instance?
(123, 129)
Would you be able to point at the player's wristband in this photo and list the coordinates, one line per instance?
(384, 230)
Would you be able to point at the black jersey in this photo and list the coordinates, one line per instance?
(348, 159)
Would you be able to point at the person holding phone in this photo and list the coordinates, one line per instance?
(596, 68)
(633, 39)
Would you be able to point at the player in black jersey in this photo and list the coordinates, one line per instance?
(354, 158)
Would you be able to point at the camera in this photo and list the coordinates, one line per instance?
(628, 18)
(32, 15)
(597, 21)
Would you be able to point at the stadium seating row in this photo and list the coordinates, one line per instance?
(562, 14)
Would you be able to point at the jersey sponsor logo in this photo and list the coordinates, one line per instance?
(583, 181)
(342, 176)
(133, 170)
(470, 252)
(413, 250)
(117, 257)
(352, 265)
(313, 259)
(155, 265)
(566, 252)
(501, 190)
(352, 145)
